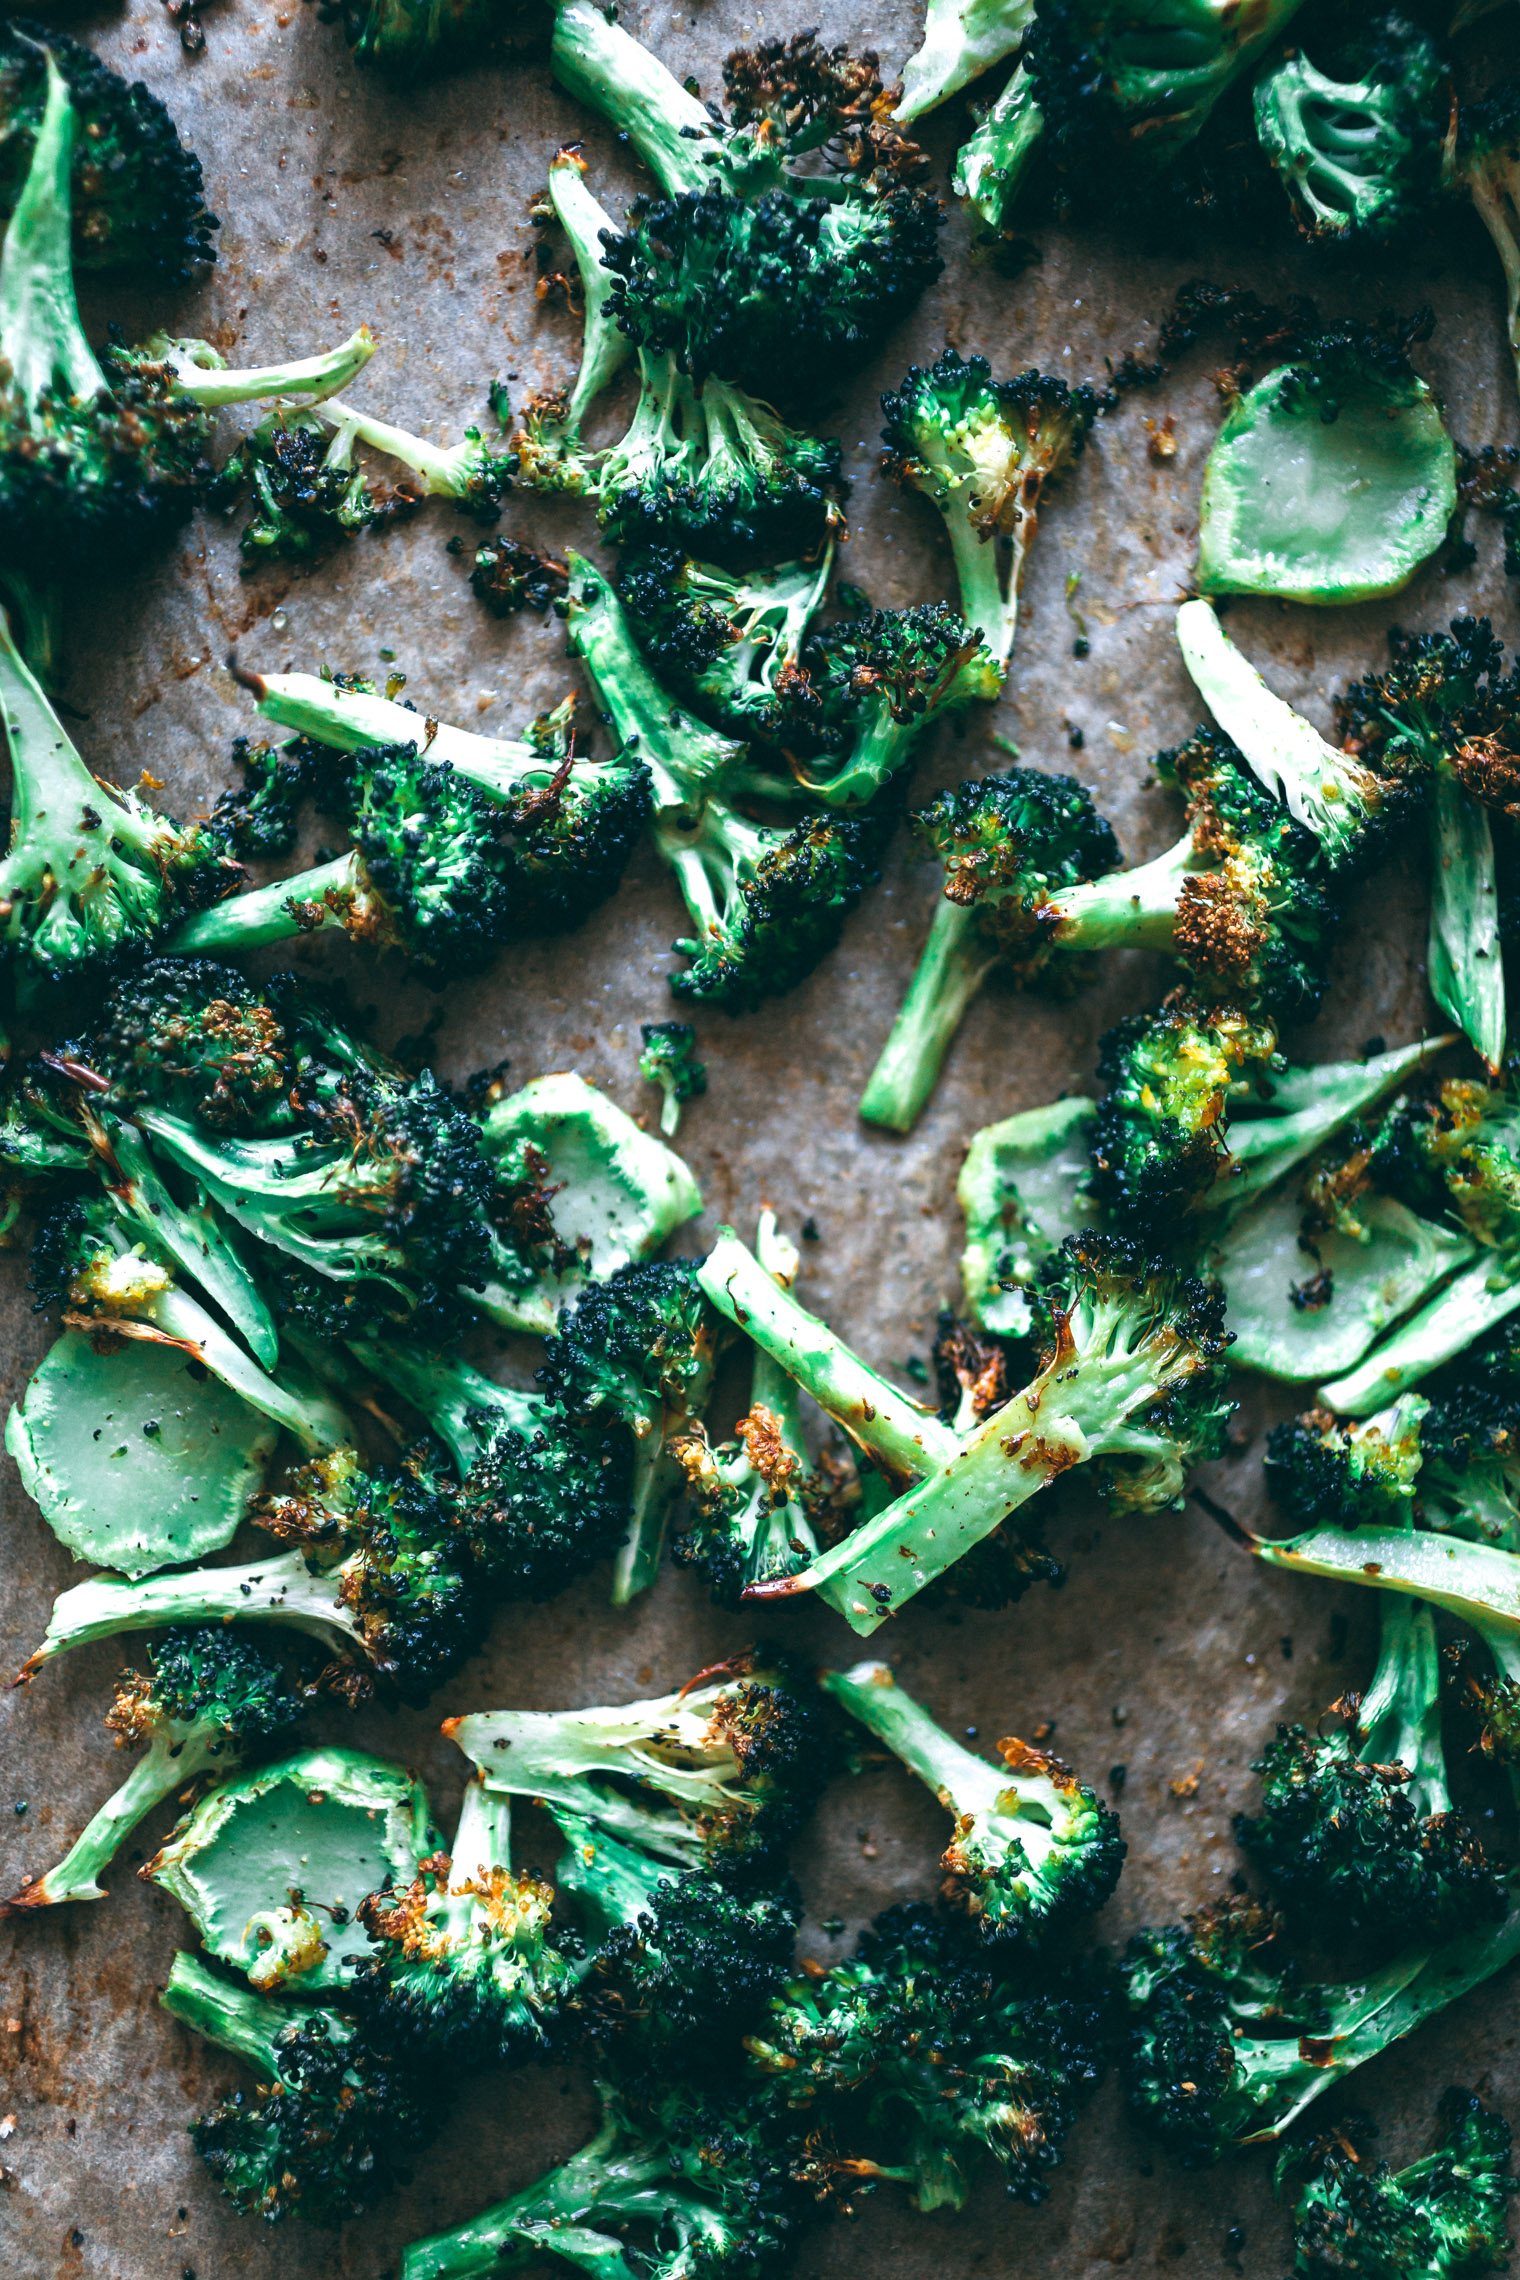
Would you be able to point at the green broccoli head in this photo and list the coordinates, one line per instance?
(542, 1505)
(1159, 1139)
(1444, 2217)
(1357, 146)
(768, 903)
(1320, 1468)
(195, 1036)
(1009, 843)
(212, 1679)
(632, 1347)
(1444, 699)
(870, 686)
(306, 492)
(727, 641)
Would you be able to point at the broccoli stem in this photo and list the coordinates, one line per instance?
(41, 337)
(989, 569)
(1400, 1716)
(962, 39)
(904, 1441)
(37, 609)
(990, 168)
(234, 2016)
(482, 1842)
(439, 467)
(300, 905)
(196, 1240)
(314, 377)
(1472, 1302)
(172, 1758)
(684, 758)
(1131, 910)
(1466, 962)
(455, 1399)
(604, 66)
(55, 801)
(278, 1590)
(352, 720)
(605, 349)
(1492, 187)
(615, 1883)
(962, 1782)
(1475, 1581)
(955, 962)
(549, 2216)
(183, 1321)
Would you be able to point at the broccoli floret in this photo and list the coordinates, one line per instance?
(137, 191)
(1120, 81)
(508, 576)
(669, 1060)
(1357, 147)
(207, 1697)
(379, 1574)
(331, 2117)
(198, 1038)
(955, 2056)
(1032, 1847)
(307, 493)
(1484, 158)
(1443, 2218)
(985, 451)
(729, 643)
(722, 1773)
(1160, 1136)
(463, 1969)
(1319, 1468)
(471, 473)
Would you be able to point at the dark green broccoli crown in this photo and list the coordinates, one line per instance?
(781, 293)
(65, 1241)
(632, 1344)
(307, 497)
(1341, 1840)
(328, 2136)
(192, 1035)
(261, 817)
(508, 577)
(903, 666)
(1320, 1469)
(437, 852)
(539, 1509)
(85, 481)
(773, 498)
(1442, 2218)
(571, 841)
(1159, 1137)
(136, 190)
(679, 632)
(691, 1973)
(1010, 842)
(1471, 1423)
(400, 37)
(1440, 691)
(784, 909)
(1044, 422)
(1357, 144)
(211, 1676)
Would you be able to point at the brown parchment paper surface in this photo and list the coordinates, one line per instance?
(347, 199)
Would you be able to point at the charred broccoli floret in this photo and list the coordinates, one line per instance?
(207, 1697)
(1032, 1847)
(1357, 146)
(307, 494)
(669, 1060)
(1160, 1136)
(508, 577)
(331, 2116)
(1445, 2217)
(474, 475)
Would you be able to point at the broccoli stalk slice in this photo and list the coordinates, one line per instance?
(237, 2017)
(462, 1406)
(198, 374)
(329, 894)
(1474, 1301)
(41, 337)
(357, 720)
(683, 757)
(902, 1440)
(990, 167)
(196, 1238)
(279, 1590)
(1323, 789)
(962, 39)
(1400, 1716)
(1030, 1843)
(173, 1758)
(603, 66)
(615, 1883)
(952, 968)
(1475, 1581)
(1466, 962)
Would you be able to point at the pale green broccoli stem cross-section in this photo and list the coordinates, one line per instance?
(278, 1590)
(962, 39)
(41, 337)
(303, 904)
(172, 1758)
(904, 1441)
(200, 377)
(956, 961)
(1466, 961)
(600, 64)
(1475, 1301)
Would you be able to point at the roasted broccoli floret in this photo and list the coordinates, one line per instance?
(379, 1574)
(728, 642)
(1132, 1376)
(955, 2055)
(137, 193)
(721, 1774)
(1159, 1139)
(1357, 146)
(1445, 2217)
(749, 266)
(463, 1969)
(1032, 1847)
(307, 493)
(1320, 1468)
(206, 1699)
(508, 577)
(669, 1060)
(471, 473)
(331, 2116)
(984, 451)
(399, 36)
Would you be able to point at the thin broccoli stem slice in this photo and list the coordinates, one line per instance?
(278, 1590)
(1474, 1301)
(602, 65)
(236, 2016)
(355, 720)
(197, 1240)
(172, 1758)
(1475, 1581)
(1315, 782)
(956, 961)
(1400, 1716)
(605, 348)
(655, 1480)
(41, 337)
(455, 1399)
(990, 167)
(683, 757)
(614, 1883)
(303, 904)
(904, 1441)
(962, 39)
(212, 385)
(1466, 963)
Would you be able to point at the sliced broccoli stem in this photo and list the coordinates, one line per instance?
(169, 1761)
(286, 908)
(962, 39)
(990, 168)
(683, 757)
(195, 1239)
(600, 64)
(482, 1842)
(605, 349)
(1475, 1581)
(41, 336)
(956, 961)
(278, 1590)
(315, 377)
(353, 720)
(36, 608)
(906, 1442)
(1474, 1301)
(235, 2016)
(1131, 910)
(453, 1397)
(1466, 962)
(988, 569)
(656, 1481)
(183, 1321)
(1400, 1716)
(962, 1782)
(53, 795)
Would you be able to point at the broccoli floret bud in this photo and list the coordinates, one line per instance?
(136, 190)
(331, 2117)
(729, 643)
(1321, 1468)
(769, 903)
(1032, 1847)
(984, 451)
(508, 576)
(208, 1697)
(1160, 1137)
(669, 1060)
(307, 493)
(1357, 147)
(1444, 2217)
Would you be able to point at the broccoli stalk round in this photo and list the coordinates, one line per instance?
(330, 2117)
(1032, 1847)
(1358, 151)
(207, 1698)
(1443, 2217)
